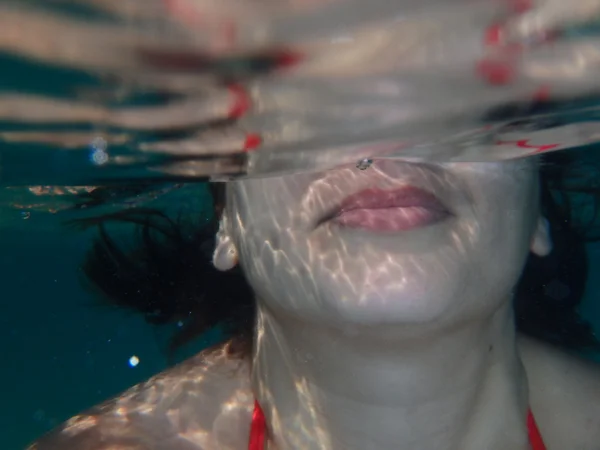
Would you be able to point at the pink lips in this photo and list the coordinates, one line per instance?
(394, 210)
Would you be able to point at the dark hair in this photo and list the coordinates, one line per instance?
(551, 288)
(168, 276)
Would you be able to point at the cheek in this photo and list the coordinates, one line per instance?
(506, 224)
(276, 261)
(507, 221)
(505, 203)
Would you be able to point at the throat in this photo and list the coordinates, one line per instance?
(323, 389)
(258, 431)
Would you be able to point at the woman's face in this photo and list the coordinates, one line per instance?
(396, 243)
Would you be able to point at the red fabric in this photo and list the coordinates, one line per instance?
(535, 438)
(258, 431)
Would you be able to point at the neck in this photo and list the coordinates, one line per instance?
(325, 388)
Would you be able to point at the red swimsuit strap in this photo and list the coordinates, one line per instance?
(258, 431)
(535, 438)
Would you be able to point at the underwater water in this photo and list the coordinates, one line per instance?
(86, 102)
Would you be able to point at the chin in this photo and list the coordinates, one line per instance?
(385, 302)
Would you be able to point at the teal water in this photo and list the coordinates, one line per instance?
(62, 351)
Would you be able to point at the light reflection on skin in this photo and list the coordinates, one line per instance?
(370, 308)
(491, 204)
(167, 412)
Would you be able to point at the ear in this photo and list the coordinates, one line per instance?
(541, 242)
(225, 256)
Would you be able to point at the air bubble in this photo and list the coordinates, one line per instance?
(364, 164)
(99, 143)
(98, 154)
(134, 361)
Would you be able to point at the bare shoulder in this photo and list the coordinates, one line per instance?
(204, 403)
(564, 394)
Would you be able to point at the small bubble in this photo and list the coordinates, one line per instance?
(364, 164)
(99, 143)
(134, 361)
(99, 157)
(98, 154)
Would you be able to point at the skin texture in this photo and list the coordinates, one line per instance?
(394, 310)
(369, 340)
(339, 276)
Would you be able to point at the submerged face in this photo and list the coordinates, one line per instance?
(396, 243)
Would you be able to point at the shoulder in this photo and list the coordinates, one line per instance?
(204, 403)
(564, 393)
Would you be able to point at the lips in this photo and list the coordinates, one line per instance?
(390, 210)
